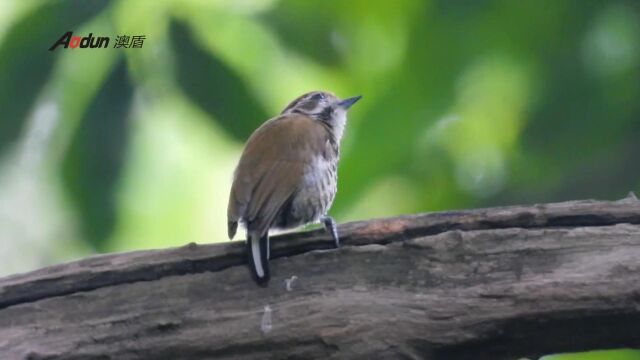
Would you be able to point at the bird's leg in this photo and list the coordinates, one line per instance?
(330, 226)
(268, 248)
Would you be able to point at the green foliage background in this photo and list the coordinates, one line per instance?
(466, 104)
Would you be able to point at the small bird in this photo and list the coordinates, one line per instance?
(287, 174)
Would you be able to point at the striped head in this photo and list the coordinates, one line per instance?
(323, 106)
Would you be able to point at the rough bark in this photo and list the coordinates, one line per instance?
(497, 283)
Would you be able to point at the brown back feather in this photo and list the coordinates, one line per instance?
(271, 169)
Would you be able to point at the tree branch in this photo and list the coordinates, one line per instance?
(489, 284)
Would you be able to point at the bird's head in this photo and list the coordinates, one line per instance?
(322, 106)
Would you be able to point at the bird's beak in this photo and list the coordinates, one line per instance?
(346, 103)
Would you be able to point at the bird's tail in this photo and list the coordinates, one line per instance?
(257, 250)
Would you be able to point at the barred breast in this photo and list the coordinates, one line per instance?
(314, 196)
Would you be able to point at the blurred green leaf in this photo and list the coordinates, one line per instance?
(94, 161)
(25, 62)
(274, 74)
(215, 87)
(318, 38)
(74, 82)
(179, 197)
(598, 355)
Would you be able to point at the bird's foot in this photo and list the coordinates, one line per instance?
(268, 248)
(331, 228)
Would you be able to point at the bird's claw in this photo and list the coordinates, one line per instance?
(331, 228)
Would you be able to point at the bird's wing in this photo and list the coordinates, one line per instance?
(271, 169)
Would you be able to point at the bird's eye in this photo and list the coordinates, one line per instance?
(317, 97)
